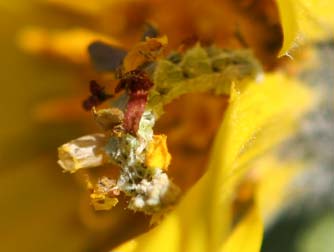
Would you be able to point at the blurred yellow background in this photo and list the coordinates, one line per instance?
(39, 204)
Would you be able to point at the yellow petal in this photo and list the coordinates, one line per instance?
(129, 246)
(247, 236)
(203, 217)
(157, 155)
(316, 19)
(273, 186)
(276, 103)
(289, 24)
(166, 239)
(305, 19)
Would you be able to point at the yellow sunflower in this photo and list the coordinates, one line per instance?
(188, 141)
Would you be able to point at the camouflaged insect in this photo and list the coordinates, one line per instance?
(129, 141)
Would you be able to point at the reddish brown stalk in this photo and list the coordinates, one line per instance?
(137, 84)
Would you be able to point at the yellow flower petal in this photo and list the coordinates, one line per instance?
(289, 22)
(157, 155)
(247, 236)
(278, 101)
(156, 239)
(126, 247)
(315, 18)
(272, 189)
(203, 217)
(307, 19)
